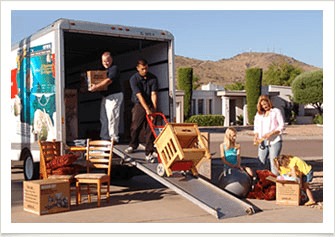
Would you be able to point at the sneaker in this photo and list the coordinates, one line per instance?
(130, 150)
(153, 160)
(128, 159)
(150, 158)
(116, 140)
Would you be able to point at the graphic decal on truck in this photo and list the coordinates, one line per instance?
(33, 91)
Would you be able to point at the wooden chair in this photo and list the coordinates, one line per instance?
(99, 156)
(48, 152)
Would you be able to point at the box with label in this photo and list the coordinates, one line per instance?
(95, 77)
(287, 193)
(46, 196)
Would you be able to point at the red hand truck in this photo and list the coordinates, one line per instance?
(157, 122)
(179, 146)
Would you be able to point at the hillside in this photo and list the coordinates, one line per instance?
(228, 71)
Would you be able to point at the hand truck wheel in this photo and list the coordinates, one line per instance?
(160, 170)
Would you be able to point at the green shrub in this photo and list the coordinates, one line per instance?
(239, 120)
(318, 119)
(291, 109)
(206, 120)
(185, 83)
(195, 82)
(293, 118)
(238, 86)
(307, 88)
(253, 87)
(281, 74)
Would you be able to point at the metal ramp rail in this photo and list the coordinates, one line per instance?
(207, 196)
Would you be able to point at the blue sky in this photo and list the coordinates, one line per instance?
(205, 34)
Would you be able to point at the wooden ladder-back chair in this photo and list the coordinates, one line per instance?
(49, 151)
(98, 156)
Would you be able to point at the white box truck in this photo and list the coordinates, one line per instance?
(48, 95)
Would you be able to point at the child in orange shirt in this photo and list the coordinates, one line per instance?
(294, 166)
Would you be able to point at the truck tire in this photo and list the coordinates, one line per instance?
(31, 169)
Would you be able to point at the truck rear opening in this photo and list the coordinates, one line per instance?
(82, 52)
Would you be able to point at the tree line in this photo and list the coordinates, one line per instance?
(307, 87)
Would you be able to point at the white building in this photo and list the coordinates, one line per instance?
(180, 106)
(205, 102)
(214, 99)
(212, 87)
(234, 104)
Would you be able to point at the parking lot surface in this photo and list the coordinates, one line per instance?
(142, 199)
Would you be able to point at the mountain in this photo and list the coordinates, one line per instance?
(232, 70)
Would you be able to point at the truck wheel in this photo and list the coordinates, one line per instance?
(30, 169)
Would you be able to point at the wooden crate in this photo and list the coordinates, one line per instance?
(95, 77)
(181, 147)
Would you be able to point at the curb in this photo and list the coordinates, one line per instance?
(214, 137)
(222, 129)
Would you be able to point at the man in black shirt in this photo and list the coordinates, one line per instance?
(111, 99)
(144, 88)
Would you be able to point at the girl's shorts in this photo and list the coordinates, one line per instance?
(308, 178)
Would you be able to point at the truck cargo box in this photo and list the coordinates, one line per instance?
(48, 64)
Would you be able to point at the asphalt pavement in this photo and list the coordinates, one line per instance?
(142, 199)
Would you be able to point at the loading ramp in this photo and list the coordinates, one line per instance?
(204, 194)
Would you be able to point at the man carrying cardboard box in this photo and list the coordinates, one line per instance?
(111, 101)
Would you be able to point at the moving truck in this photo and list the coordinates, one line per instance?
(49, 97)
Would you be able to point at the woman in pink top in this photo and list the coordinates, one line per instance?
(268, 127)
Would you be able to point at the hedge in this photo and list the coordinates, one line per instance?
(185, 83)
(253, 87)
(318, 119)
(206, 120)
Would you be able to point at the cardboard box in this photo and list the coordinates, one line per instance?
(71, 113)
(83, 82)
(95, 77)
(287, 193)
(46, 196)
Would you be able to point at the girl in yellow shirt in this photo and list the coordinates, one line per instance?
(296, 167)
